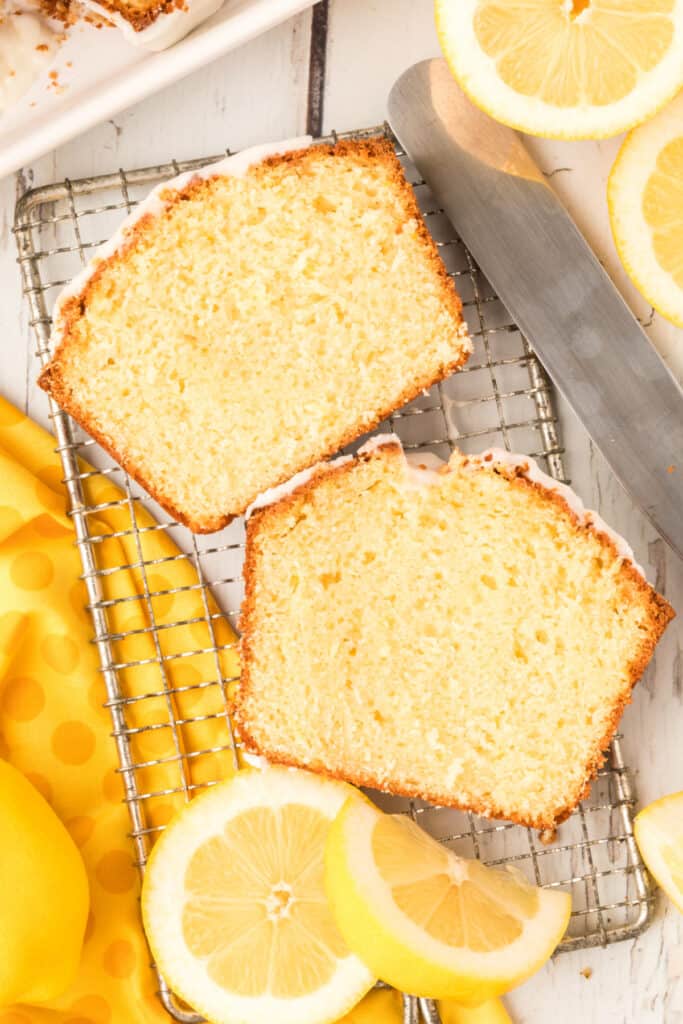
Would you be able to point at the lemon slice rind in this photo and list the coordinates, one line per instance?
(633, 236)
(162, 902)
(654, 830)
(402, 953)
(476, 74)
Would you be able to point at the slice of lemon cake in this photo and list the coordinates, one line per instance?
(469, 636)
(253, 318)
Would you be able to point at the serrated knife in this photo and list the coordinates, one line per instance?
(549, 279)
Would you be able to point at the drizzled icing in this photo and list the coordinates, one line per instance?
(167, 28)
(427, 469)
(275, 494)
(586, 516)
(27, 46)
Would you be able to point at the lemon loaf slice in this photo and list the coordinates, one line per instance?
(253, 318)
(469, 636)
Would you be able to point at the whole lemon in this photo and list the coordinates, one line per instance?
(491, 1012)
(43, 896)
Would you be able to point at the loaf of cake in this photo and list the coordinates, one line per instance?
(469, 636)
(148, 24)
(154, 24)
(253, 318)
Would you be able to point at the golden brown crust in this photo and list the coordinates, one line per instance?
(65, 401)
(659, 613)
(140, 20)
(368, 781)
(52, 379)
(658, 609)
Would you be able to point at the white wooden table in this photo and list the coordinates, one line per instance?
(262, 92)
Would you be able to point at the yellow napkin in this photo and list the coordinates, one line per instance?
(52, 724)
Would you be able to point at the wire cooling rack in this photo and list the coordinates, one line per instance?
(502, 397)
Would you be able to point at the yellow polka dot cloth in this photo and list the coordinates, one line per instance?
(52, 723)
(54, 729)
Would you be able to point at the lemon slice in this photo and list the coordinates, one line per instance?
(645, 198)
(659, 835)
(569, 69)
(431, 923)
(234, 904)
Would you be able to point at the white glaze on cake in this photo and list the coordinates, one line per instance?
(585, 516)
(425, 469)
(156, 203)
(281, 491)
(378, 441)
(166, 29)
(275, 494)
(427, 466)
(27, 47)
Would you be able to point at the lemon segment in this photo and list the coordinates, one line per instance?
(45, 897)
(645, 198)
(431, 923)
(234, 904)
(659, 834)
(565, 68)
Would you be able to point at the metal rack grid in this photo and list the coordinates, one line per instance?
(502, 397)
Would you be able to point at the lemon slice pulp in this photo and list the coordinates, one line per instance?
(429, 922)
(234, 904)
(565, 68)
(645, 198)
(659, 835)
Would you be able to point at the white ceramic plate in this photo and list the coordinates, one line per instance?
(107, 74)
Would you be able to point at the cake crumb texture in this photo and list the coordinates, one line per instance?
(468, 641)
(256, 325)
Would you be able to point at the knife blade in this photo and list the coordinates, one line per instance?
(552, 284)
